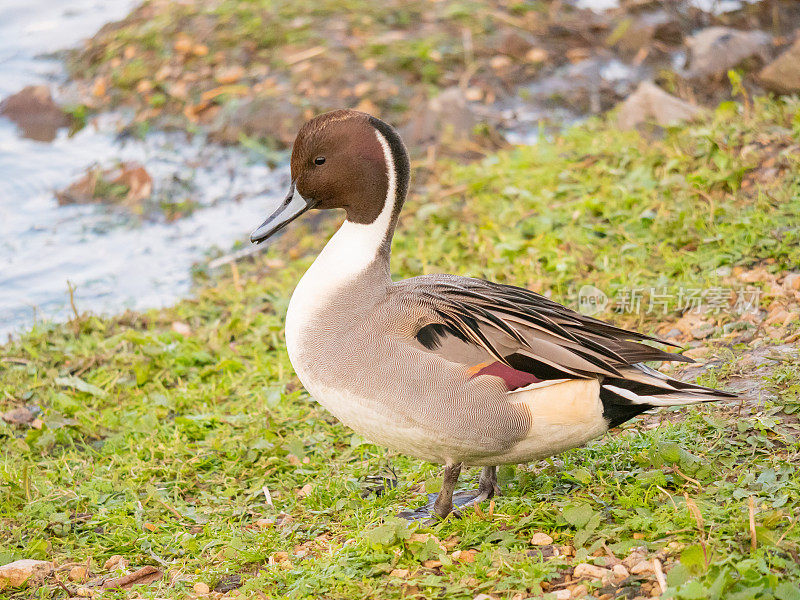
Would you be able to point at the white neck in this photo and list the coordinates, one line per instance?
(352, 249)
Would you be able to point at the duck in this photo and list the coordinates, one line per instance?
(452, 370)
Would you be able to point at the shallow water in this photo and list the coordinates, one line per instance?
(114, 259)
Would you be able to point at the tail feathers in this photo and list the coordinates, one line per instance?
(642, 388)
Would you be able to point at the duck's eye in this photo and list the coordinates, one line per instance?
(320, 160)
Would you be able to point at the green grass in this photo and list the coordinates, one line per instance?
(164, 456)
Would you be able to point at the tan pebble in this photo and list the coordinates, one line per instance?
(468, 556)
(144, 87)
(500, 61)
(483, 597)
(699, 352)
(181, 328)
(620, 572)
(201, 588)
(456, 555)
(473, 94)
(281, 556)
(562, 594)
(432, 564)
(264, 523)
(541, 539)
(399, 573)
(792, 281)
(579, 591)
(587, 571)
(77, 574)
(18, 572)
(643, 566)
(567, 550)
(113, 562)
(536, 55)
(633, 559)
(83, 592)
(305, 490)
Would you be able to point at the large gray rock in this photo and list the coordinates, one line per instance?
(715, 50)
(782, 75)
(650, 103)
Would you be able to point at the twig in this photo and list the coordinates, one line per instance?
(268, 496)
(687, 478)
(662, 582)
(671, 499)
(698, 517)
(233, 256)
(751, 506)
(235, 273)
(65, 588)
(780, 539)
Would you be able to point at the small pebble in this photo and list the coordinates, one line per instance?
(77, 574)
(620, 572)
(201, 588)
(585, 570)
(579, 591)
(562, 594)
(644, 566)
(114, 562)
(541, 539)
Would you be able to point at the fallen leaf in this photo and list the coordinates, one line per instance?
(143, 576)
(79, 384)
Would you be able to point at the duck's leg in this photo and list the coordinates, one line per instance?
(487, 483)
(446, 499)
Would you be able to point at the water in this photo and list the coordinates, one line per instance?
(114, 260)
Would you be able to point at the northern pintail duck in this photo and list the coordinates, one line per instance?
(452, 370)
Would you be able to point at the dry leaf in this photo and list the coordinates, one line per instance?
(143, 576)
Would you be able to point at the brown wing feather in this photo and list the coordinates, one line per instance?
(502, 319)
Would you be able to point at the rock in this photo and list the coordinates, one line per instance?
(77, 574)
(562, 594)
(650, 103)
(715, 50)
(228, 583)
(587, 571)
(579, 591)
(35, 113)
(259, 117)
(447, 115)
(399, 573)
(792, 280)
(484, 597)
(782, 75)
(541, 539)
(20, 572)
(642, 567)
(265, 523)
(620, 572)
(641, 32)
(201, 588)
(229, 74)
(22, 415)
(702, 332)
(115, 562)
(515, 45)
